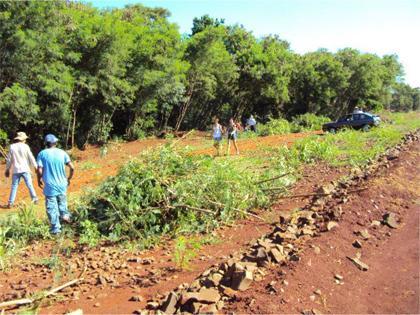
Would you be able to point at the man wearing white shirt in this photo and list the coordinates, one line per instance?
(252, 123)
(20, 159)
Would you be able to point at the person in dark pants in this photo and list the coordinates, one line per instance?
(54, 181)
(251, 123)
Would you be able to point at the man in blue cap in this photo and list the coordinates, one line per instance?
(53, 179)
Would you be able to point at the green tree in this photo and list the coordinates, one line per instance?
(212, 71)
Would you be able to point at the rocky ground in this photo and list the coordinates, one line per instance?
(348, 245)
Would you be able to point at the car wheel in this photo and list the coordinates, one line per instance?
(366, 128)
(332, 130)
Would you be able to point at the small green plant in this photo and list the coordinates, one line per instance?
(89, 234)
(7, 248)
(103, 151)
(88, 165)
(25, 225)
(185, 249)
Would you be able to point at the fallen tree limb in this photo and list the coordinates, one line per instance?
(182, 138)
(3, 152)
(317, 194)
(191, 207)
(248, 213)
(274, 188)
(236, 209)
(48, 293)
(271, 179)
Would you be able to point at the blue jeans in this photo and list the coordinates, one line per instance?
(15, 184)
(56, 209)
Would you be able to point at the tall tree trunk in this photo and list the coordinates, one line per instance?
(68, 126)
(184, 108)
(74, 126)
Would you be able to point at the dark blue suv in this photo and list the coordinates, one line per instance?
(359, 120)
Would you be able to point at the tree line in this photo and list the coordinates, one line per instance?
(87, 74)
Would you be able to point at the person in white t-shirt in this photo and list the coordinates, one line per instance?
(251, 124)
(20, 159)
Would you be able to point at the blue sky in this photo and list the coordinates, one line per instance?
(376, 26)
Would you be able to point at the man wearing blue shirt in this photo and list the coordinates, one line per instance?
(53, 179)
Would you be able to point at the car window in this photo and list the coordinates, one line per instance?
(357, 116)
(362, 116)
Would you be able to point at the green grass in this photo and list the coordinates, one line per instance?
(354, 147)
(88, 165)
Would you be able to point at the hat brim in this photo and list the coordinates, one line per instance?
(21, 138)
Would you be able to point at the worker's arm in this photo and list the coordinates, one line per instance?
(9, 159)
(71, 167)
(39, 171)
(31, 159)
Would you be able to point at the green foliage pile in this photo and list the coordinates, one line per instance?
(87, 74)
(168, 191)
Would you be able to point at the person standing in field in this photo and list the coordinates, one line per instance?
(251, 123)
(54, 181)
(217, 136)
(232, 135)
(20, 159)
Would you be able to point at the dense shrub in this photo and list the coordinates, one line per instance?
(307, 122)
(274, 127)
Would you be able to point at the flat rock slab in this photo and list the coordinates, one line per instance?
(207, 296)
(359, 264)
(390, 219)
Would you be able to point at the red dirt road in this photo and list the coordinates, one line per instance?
(391, 285)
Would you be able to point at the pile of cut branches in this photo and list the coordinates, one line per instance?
(167, 190)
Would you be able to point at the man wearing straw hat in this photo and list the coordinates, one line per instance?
(20, 159)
